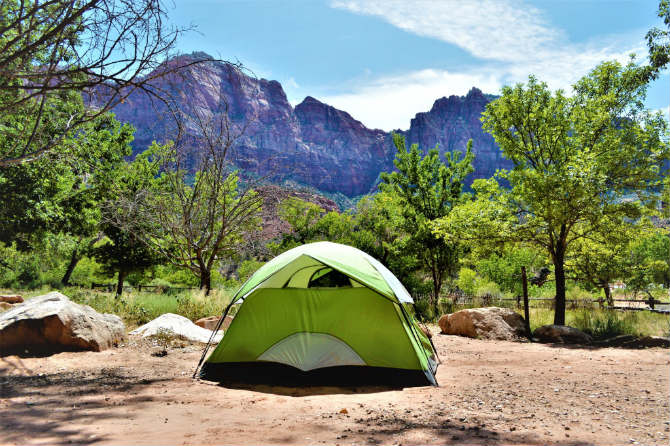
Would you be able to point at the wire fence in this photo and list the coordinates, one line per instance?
(459, 298)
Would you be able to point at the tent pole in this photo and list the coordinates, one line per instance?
(416, 338)
(209, 342)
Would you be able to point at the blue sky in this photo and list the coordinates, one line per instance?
(383, 61)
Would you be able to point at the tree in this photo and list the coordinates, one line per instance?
(599, 258)
(647, 262)
(122, 253)
(428, 189)
(196, 212)
(577, 160)
(302, 216)
(61, 195)
(658, 42)
(53, 52)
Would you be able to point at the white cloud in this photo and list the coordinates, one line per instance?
(390, 102)
(292, 83)
(497, 30)
(512, 40)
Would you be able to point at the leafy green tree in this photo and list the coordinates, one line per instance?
(377, 229)
(191, 221)
(658, 41)
(122, 253)
(427, 189)
(599, 258)
(577, 159)
(302, 216)
(61, 195)
(647, 261)
(504, 266)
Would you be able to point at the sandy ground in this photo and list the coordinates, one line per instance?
(490, 393)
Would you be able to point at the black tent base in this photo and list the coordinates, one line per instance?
(271, 373)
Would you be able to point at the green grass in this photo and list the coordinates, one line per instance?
(602, 324)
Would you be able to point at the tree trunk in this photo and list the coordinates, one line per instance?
(608, 295)
(74, 259)
(437, 284)
(559, 272)
(206, 281)
(119, 283)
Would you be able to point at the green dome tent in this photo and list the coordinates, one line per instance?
(322, 313)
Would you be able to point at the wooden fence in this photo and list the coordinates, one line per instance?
(464, 299)
(162, 288)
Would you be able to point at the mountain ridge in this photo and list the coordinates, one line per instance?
(313, 143)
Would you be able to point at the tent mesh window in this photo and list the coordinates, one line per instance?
(329, 278)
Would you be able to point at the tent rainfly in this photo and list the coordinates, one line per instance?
(322, 313)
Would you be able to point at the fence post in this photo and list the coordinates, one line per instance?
(526, 310)
(651, 302)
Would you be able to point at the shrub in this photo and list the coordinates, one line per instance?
(488, 290)
(605, 323)
(247, 268)
(445, 306)
(423, 310)
(467, 281)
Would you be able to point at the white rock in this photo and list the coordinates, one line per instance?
(179, 325)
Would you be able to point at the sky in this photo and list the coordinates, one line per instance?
(383, 61)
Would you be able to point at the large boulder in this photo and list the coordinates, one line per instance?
(52, 323)
(561, 334)
(484, 323)
(210, 322)
(177, 325)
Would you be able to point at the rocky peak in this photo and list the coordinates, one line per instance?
(314, 144)
(451, 122)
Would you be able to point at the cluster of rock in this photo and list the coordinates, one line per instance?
(507, 325)
(52, 323)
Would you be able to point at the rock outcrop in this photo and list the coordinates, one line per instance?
(52, 323)
(211, 322)
(314, 144)
(561, 334)
(176, 325)
(11, 298)
(451, 123)
(484, 323)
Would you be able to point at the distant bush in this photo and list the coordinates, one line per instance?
(488, 290)
(423, 310)
(606, 323)
(467, 281)
(445, 306)
(247, 268)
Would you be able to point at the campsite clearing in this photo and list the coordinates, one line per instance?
(491, 392)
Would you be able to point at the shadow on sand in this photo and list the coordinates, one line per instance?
(38, 408)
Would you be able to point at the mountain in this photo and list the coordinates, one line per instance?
(451, 123)
(313, 144)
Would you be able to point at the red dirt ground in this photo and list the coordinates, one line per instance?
(491, 392)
